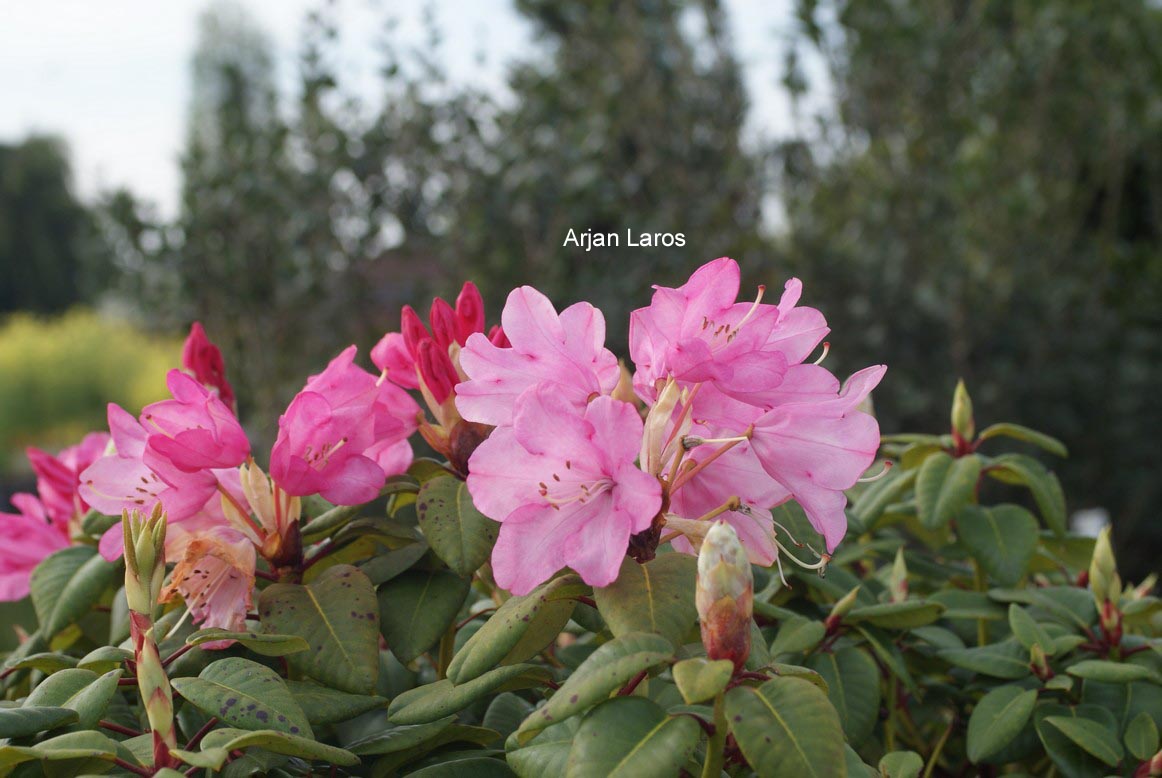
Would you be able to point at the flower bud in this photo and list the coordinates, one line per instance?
(443, 321)
(657, 427)
(497, 337)
(841, 609)
(898, 584)
(413, 330)
(144, 539)
(469, 312)
(725, 595)
(437, 371)
(963, 424)
(1103, 571)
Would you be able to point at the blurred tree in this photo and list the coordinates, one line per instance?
(631, 121)
(986, 202)
(51, 255)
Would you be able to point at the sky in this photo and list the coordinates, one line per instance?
(113, 77)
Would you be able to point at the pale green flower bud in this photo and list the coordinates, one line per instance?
(725, 595)
(963, 423)
(1103, 570)
(144, 539)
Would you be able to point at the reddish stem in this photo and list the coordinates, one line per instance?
(172, 657)
(628, 689)
(201, 733)
(130, 767)
(113, 726)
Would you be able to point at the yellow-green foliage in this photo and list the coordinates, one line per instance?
(57, 375)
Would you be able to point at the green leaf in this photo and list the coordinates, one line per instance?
(798, 671)
(1007, 659)
(443, 698)
(459, 534)
(901, 764)
(393, 739)
(1142, 737)
(280, 742)
(890, 655)
(244, 694)
(797, 634)
(382, 568)
(67, 584)
(389, 764)
(46, 662)
(853, 684)
(264, 644)
(701, 679)
(548, 753)
(80, 690)
(327, 523)
(337, 616)
(1028, 632)
(628, 737)
(324, 705)
(897, 615)
(505, 713)
(657, 597)
(472, 767)
(1046, 489)
(1001, 538)
(787, 727)
(71, 746)
(416, 609)
(1095, 739)
(1025, 435)
(944, 486)
(1070, 759)
(607, 669)
(997, 719)
(105, 658)
(1113, 672)
(22, 722)
(962, 605)
(519, 629)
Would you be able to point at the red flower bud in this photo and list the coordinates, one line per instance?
(497, 337)
(204, 360)
(414, 331)
(443, 321)
(436, 370)
(469, 312)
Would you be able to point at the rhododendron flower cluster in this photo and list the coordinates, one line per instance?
(735, 422)
(341, 437)
(581, 461)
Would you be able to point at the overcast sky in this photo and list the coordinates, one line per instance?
(112, 77)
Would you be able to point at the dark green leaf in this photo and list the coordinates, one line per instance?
(417, 607)
(459, 534)
(787, 727)
(67, 584)
(244, 694)
(897, 615)
(853, 683)
(443, 698)
(324, 705)
(22, 722)
(901, 764)
(944, 486)
(1001, 538)
(628, 737)
(997, 719)
(657, 596)
(1046, 489)
(337, 616)
(260, 643)
(1025, 435)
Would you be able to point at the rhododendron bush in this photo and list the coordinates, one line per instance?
(504, 551)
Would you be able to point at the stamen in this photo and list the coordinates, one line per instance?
(754, 307)
(873, 478)
(693, 441)
(826, 351)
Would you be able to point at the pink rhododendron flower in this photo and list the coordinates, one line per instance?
(698, 333)
(818, 449)
(204, 362)
(214, 575)
(563, 482)
(29, 537)
(193, 431)
(57, 477)
(565, 351)
(330, 427)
